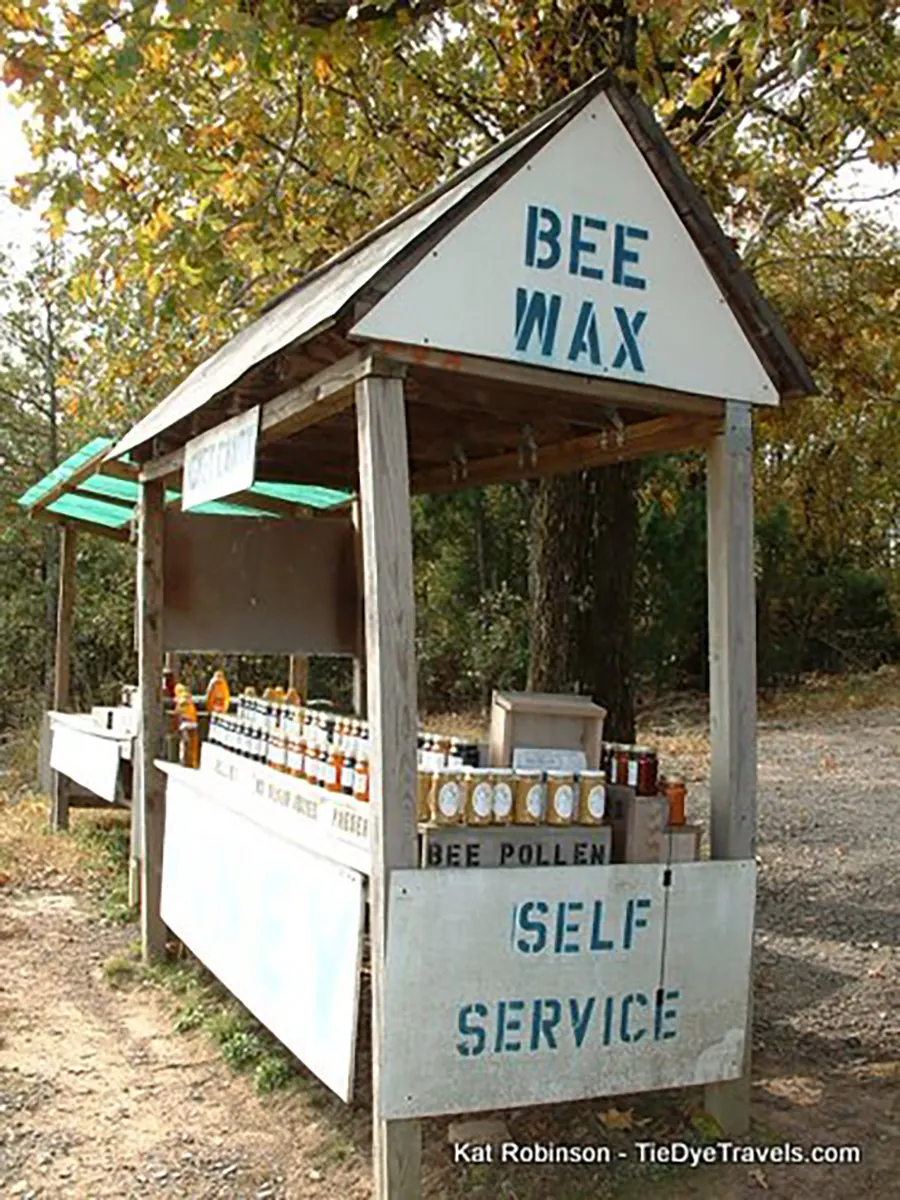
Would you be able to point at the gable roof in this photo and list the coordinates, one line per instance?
(321, 297)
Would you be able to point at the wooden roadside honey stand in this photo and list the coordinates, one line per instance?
(85, 759)
(564, 302)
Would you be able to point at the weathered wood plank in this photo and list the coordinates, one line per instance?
(62, 666)
(359, 659)
(115, 535)
(732, 660)
(298, 673)
(391, 670)
(150, 783)
(90, 467)
(604, 391)
(314, 400)
(657, 436)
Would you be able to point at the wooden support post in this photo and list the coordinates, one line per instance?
(150, 782)
(62, 666)
(391, 668)
(298, 673)
(359, 659)
(732, 687)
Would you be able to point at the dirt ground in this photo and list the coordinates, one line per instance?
(101, 1097)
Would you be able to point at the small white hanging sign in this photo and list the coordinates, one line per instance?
(221, 461)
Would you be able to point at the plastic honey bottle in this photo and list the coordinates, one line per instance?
(361, 781)
(188, 728)
(218, 693)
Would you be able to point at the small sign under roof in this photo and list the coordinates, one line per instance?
(221, 461)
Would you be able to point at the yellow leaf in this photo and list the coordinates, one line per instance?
(56, 222)
(881, 152)
(667, 107)
(322, 67)
(615, 1119)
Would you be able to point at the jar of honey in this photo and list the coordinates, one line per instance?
(676, 793)
(451, 789)
(591, 797)
(424, 788)
(479, 796)
(529, 798)
(647, 771)
(560, 797)
(333, 768)
(504, 782)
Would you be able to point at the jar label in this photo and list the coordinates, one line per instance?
(534, 801)
(632, 772)
(347, 777)
(597, 802)
(448, 799)
(481, 799)
(503, 800)
(564, 801)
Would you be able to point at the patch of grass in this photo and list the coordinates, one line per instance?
(120, 971)
(273, 1072)
(206, 1007)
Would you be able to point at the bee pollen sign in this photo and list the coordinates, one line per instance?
(556, 984)
(222, 461)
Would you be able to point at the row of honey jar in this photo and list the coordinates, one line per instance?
(502, 796)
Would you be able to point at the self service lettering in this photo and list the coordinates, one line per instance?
(585, 247)
(541, 929)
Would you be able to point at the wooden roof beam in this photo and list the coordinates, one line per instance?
(604, 392)
(314, 400)
(658, 436)
(117, 535)
(90, 467)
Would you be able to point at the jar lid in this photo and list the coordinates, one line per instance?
(591, 774)
(504, 772)
(644, 750)
(559, 775)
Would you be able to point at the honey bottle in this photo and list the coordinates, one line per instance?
(361, 782)
(188, 728)
(348, 772)
(218, 693)
(333, 769)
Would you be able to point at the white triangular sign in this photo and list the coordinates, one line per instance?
(578, 262)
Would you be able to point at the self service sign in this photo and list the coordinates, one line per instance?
(536, 986)
(579, 262)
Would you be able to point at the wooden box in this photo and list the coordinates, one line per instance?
(542, 720)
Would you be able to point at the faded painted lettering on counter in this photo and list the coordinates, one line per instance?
(587, 329)
(571, 927)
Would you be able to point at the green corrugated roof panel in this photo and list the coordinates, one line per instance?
(64, 471)
(301, 493)
(82, 508)
(102, 499)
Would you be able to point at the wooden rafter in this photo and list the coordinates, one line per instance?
(660, 435)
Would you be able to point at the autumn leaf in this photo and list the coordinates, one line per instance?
(614, 1120)
(322, 68)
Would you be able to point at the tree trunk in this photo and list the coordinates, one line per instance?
(584, 554)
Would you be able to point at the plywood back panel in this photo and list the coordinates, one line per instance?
(260, 586)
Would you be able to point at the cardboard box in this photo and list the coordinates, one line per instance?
(541, 720)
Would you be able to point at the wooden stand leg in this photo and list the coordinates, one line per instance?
(390, 645)
(150, 782)
(59, 790)
(298, 673)
(732, 650)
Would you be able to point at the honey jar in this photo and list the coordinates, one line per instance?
(560, 797)
(591, 797)
(479, 796)
(449, 797)
(424, 788)
(529, 798)
(676, 793)
(647, 771)
(504, 782)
